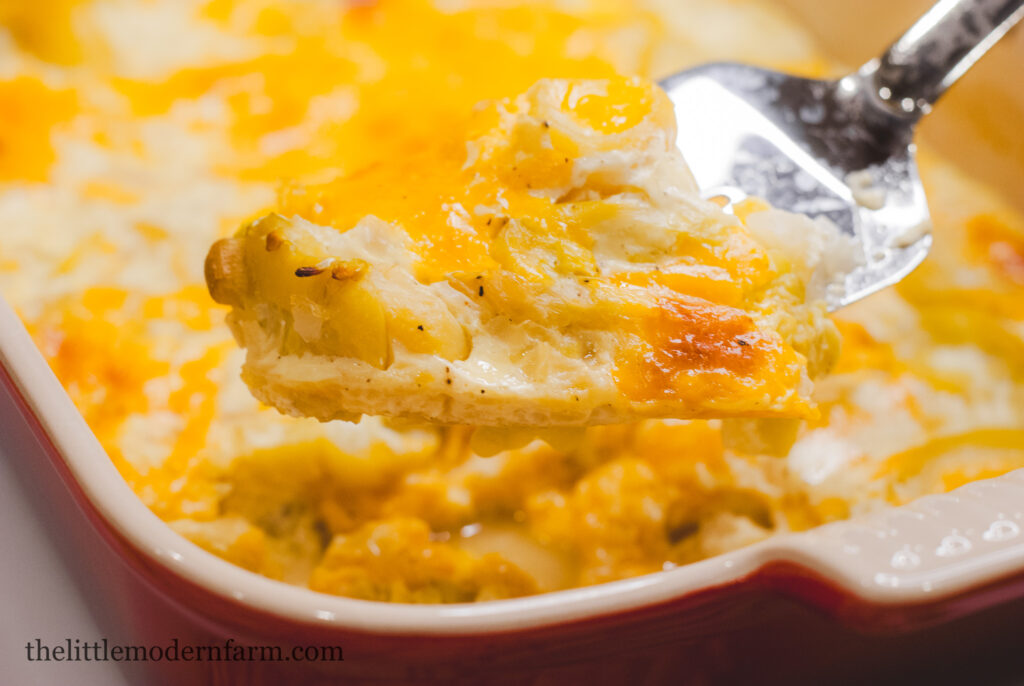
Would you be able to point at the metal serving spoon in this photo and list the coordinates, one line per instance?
(842, 149)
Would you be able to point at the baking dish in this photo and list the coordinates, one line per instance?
(898, 582)
(848, 583)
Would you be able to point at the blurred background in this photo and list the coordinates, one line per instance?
(979, 122)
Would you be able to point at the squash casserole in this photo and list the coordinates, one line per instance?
(134, 134)
(556, 267)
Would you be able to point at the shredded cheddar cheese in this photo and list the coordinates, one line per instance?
(29, 111)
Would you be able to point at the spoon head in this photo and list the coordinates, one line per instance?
(814, 147)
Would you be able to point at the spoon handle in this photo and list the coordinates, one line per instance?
(936, 51)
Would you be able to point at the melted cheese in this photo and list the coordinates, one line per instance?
(29, 111)
(546, 268)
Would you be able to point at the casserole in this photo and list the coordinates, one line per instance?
(613, 631)
(578, 279)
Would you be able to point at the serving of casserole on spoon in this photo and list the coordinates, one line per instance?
(551, 261)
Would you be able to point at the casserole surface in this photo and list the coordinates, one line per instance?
(133, 155)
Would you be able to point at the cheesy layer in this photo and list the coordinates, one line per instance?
(555, 265)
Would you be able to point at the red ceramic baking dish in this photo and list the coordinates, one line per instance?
(907, 591)
(933, 589)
